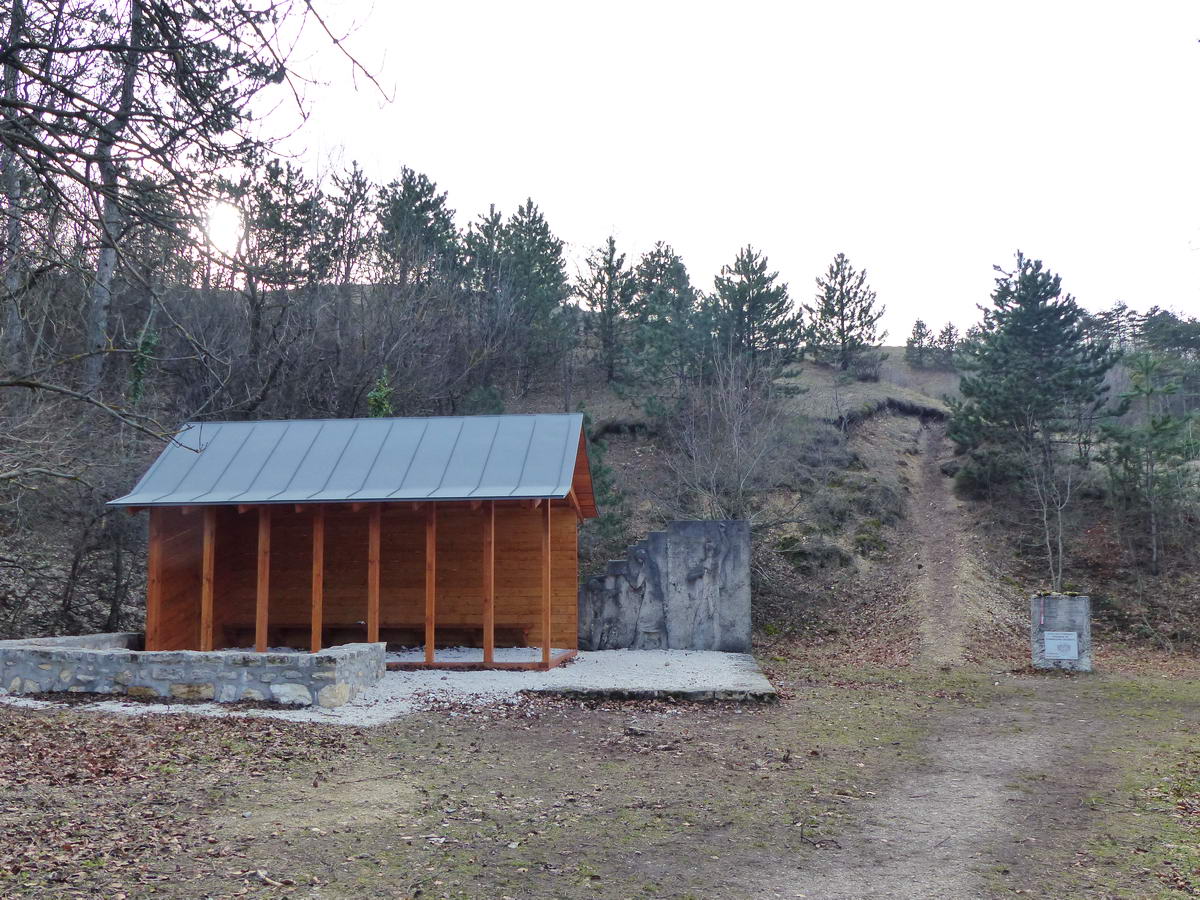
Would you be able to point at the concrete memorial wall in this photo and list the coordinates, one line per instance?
(685, 588)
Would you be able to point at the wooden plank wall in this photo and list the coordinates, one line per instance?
(178, 622)
(402, 581)
(234, 573)
(519, 572)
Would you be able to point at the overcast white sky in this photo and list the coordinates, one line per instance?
(925, 140)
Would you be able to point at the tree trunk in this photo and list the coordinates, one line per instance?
(12, 356)
(1152, 508)
(120, 587)
(568, 381)
(100, 301)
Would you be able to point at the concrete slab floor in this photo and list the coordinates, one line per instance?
(696, 675)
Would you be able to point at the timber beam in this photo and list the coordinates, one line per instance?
(318, 579)
(489, 582)
(263, 586)
(430, 581)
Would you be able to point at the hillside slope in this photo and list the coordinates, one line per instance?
(858, 533)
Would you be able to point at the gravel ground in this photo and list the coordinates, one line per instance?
(469, 654)
(640, 674)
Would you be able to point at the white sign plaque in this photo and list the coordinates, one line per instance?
(1061, 644)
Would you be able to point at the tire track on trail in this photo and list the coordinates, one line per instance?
(940, 533)
(946, 827)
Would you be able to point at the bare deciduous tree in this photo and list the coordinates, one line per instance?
(726, 441)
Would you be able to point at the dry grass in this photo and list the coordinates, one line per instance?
(829, 393)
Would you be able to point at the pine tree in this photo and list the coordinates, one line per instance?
(283, 214)
(754, 314)
(1150, 462)
(417, 238)
(670, 335)
(1032, 378)
(843, 319)
(516, 274)
(919, 347)
(946, 346)
(607, 288)
(379, 398)
(1118, 326)
(483, 256)
(349, 232)
(1167, 332)
(538, 276)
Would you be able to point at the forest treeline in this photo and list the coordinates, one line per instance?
(161, 262)
(334, 291)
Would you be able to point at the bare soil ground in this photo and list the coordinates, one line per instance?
(951, 823)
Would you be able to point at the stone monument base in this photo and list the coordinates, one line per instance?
(1061, 632)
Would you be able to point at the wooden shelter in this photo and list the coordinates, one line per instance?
(441, 531)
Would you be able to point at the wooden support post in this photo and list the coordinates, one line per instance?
(373, 541)
(318, 578)
(206, 578)
(430, 581)
(489, 582)
(264, 579)
(154, 581)
(546, 590)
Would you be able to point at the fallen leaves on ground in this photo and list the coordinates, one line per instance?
(102, 801)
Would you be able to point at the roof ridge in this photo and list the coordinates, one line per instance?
(198, 423)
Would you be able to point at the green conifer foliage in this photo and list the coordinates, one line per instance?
(919, 348)
(945, 347)
(670, 333)
(1033, 380)
(754, 316)
(379, 399)
(1152, 479)
(607, 288)
(417, 238)
(1167, 332)
(843, 320)
(516, 274)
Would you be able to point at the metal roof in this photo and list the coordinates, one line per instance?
(361, 460)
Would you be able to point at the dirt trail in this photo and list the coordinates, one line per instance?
(941, 538)
(943, 828)
(981, 801)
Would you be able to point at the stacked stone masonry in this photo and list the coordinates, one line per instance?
(685, 588)
(113, 664)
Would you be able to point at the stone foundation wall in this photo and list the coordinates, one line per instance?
(686, 588)
(111, 664)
